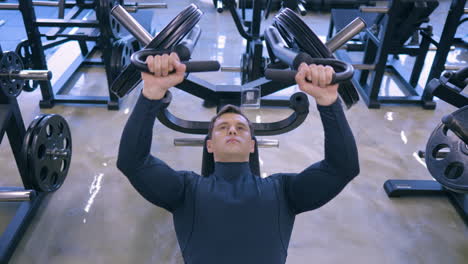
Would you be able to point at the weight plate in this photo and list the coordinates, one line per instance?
(49, 153)
(449, 168)
(172, 26)
(10, 62)
(299, 36)
(121, 51)
(110, 27)
(170, 36)
(24, 51)
(27, 140)
(182, 31)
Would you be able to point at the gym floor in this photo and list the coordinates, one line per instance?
(97, 216)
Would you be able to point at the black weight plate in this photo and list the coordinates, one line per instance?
(293, 29)
(347, 90)
(286, 36)
(110, 27)
(172, 26)
(303, 35)
(23, 49)
(173, 33)
(48, 168)
(121, 51)
(27, 140)
(181, 31)
(11, 62)
(452, 170)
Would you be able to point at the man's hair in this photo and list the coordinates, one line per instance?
(228, 109)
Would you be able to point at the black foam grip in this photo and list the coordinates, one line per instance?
(202, 66)
(138, 60)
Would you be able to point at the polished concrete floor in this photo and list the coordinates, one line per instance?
(97, 217)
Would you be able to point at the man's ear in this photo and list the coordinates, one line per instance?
(209, 146)
(252, 146)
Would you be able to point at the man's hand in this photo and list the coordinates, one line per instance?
(315, 80)
(156, 85)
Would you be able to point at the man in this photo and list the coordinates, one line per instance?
(233, 216)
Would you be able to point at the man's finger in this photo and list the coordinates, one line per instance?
(179, 67)
(313, 74)
(157, 66)
(300, 76)
(174, 56)
(164, 65)
(149, 62)
(329, 74)
(321, 76)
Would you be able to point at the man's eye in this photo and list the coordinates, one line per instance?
(240, 128)
(222, 127)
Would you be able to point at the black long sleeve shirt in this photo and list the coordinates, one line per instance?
(233, 216)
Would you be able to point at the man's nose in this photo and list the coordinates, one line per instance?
(232, 131)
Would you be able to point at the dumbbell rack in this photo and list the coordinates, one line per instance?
(11, 123)
(92, 34)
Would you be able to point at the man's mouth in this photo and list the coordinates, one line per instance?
(232, 140)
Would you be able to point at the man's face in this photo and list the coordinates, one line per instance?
(231, 140)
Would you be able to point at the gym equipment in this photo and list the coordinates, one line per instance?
(91, 25)
(43, 151)
(12, 75)
(291, 41)
(47, 149)
(446, 153)
(248, 24)
(167, 39)
(392, 30)
(452, 23)
(221, 95)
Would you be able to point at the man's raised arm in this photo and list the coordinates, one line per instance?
(150, 176)
(322, 181)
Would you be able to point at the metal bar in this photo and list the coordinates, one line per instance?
(51, 22)
(16, 196)
(81, 99)
(374, 9)
(414, 99)
(15, 6)
(301, 9)
(28, 75)
(219, 6)
(8, 6)
(199, 142)
(147, 5)
(347, 33)
(369, 67)
(454, 67)
(231, 69)
(137, 30)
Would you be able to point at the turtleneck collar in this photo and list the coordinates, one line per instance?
(231, 170)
